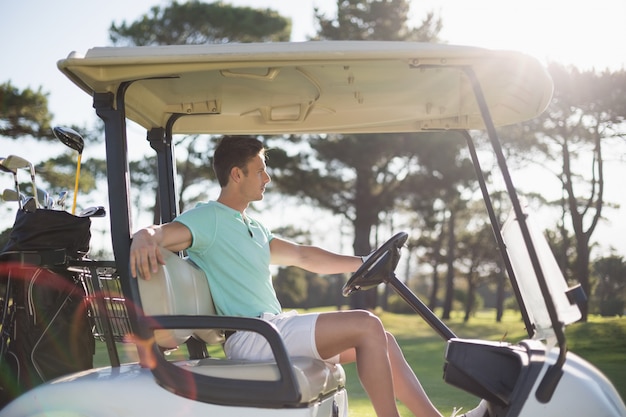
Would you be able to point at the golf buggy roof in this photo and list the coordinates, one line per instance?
(313, 87)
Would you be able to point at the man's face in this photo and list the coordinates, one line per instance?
(256, 179)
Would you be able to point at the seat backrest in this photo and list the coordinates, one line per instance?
(178, 288)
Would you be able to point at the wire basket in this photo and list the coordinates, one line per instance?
(106, 304)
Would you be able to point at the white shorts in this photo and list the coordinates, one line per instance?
(296, 330)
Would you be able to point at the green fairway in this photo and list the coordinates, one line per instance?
(601, 341)
(424, 350)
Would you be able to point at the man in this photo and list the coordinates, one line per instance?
(236, 251)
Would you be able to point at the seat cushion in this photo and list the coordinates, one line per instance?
(315, 378)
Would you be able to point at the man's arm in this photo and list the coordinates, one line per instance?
(311, 258)
(145, 256)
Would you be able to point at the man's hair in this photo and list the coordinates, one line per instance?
(234, 151)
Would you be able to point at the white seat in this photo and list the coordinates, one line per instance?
(181, 288)
(178, 288)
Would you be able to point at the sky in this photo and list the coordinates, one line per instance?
(35, 34)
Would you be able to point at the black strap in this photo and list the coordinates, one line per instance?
(41, 258)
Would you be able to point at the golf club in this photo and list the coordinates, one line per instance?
(74, 140)
(61, 199)
(44, 197)
(95, 211)
(12, 195)
(30, 205)
(4, 168)
(15, 162)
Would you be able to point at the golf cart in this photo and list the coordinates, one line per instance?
(299, 88)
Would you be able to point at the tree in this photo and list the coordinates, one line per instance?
(441, 200)
(318, 291)
(610, 273)
(195, 22)
(194, 169)
(570, 138)
(432, 240)
(291, 286)
(24, 113)
(384, 20)
(476, 252)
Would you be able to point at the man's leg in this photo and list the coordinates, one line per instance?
(360, 336)
(410, 391)
(408, 388)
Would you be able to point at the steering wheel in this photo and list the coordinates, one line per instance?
(378, 267)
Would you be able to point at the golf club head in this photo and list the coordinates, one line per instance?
(70, 138)
(15, 162)
(5, 168)
(44, 197)
(30, 205)
(12, 195)
(95, 211)
(61, 199)
(74, 140)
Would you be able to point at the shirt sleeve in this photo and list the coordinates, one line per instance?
(200, 221)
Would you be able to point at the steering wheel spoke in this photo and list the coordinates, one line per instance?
(378, 267)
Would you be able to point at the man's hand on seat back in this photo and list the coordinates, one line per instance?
(145, 249)
(145, 254)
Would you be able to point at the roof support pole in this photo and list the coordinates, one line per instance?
(161, 141)
(495, 225)
(554, 373)
(110, 108)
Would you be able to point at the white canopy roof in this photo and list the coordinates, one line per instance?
(315, 87)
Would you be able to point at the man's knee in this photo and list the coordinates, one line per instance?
(391, 339)
(370, 323)
(363, 314)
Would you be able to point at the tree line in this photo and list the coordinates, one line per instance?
(420, 182)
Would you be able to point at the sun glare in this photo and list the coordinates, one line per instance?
(556, 30)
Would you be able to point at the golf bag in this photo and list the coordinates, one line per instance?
(45, 330)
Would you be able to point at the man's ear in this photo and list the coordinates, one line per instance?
(236, 174)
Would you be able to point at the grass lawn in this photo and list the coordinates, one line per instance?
(601, 341)
(424, 350)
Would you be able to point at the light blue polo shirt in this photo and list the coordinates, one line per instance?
(235, 257)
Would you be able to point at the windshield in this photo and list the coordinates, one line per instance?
(527, 279)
